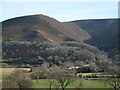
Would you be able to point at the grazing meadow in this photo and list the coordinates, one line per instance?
(44, 83)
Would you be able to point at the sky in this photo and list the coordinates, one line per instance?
(62, 11)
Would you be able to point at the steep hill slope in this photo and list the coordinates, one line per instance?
(18, 53)
(38, 38)
(40, 28)
(104, 33)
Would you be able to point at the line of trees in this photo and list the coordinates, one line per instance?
(57, 76)
(60, 76)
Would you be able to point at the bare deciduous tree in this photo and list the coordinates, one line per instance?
(50, 77)
(113, 77)
(68, 64)
(39, 72)
(17, 79)
(63, 76)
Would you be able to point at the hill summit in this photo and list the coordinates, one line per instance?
(41, 28)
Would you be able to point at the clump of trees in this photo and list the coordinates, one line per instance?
(57, 76)
(54, 53)
(62, 62)
(63, 76)
(113, 77)
(18, 79)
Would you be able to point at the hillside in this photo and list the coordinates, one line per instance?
(104, 33)
(19, 53)
(40, 28)
(37, 38)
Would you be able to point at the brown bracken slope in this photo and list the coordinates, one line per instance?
(40, 28)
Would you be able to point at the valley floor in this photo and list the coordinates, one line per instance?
(44, 83)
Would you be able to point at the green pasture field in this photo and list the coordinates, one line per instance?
(44, 83)
(90, 74)
(6, 71)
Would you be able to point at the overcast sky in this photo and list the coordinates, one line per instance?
(62, 11)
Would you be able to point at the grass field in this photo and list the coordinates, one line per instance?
(6, 71)
(85, 84)
(91, 74)
(88, 74)
(44, 83)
